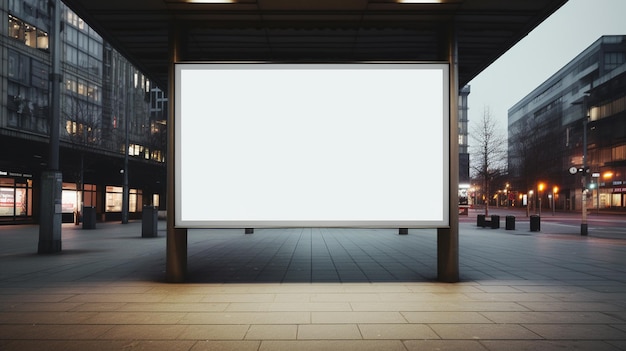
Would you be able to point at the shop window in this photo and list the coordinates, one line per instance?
(616, 200)
(114, 198)
(72, 198)
(15, 198)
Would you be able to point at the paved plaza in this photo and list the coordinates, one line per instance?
(314, 289)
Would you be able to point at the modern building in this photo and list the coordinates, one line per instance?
(569, 134)
(464, 159)
(108, 110)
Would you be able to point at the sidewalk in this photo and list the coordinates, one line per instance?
(312, 289)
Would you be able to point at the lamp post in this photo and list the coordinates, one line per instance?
(540, 187)
(555, 191)
(596, 186)
(506, 194)
(583, 223)
(605, 176)
(583, 170)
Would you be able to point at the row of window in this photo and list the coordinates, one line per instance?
(27, 34)
(28, 85)
(618, 153)
(612, 108)
(145, 152)
(27, 93)
(613, 60)
(88, 90)
(82, 48)
(16, 198)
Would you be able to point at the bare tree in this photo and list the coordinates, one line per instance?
(82, 130)
(530, 140)
(489, 152)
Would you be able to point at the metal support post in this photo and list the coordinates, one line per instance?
(448, 238)
(176, 252)
(583, 223)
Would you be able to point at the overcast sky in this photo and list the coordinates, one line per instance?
(548, 48)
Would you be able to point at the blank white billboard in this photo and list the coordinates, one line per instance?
(311, 145)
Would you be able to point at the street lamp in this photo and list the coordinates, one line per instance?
(583, 170)
(506, 194)
(555, 192)
(606, 176)
(596, 186)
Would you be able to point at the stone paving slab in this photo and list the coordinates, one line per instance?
(312, 289)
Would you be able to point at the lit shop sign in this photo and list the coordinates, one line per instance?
(312, 145)
(15, 174)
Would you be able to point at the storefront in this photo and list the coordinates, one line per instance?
(16, 197)
(16, 200)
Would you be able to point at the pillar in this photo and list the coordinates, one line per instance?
(448, 238)
(176, 242)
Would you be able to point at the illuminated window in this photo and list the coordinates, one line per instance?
(27, 34)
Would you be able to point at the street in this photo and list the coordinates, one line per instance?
(600, 225)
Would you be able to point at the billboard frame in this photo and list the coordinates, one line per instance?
(443, 172)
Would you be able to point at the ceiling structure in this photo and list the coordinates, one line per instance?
(313, 30)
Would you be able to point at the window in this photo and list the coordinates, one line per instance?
(619, 153)
(39, 75)
(613, 60)
(15, 197)
(114, 196)
(71, 36)
(27, 34)
(72, 197)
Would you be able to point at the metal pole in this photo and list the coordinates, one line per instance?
(539, 192)
(598, 194)
(127, 102)
(176, 251)
(583, 224)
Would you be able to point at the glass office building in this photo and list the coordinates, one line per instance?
(569, 134)
(108, 109)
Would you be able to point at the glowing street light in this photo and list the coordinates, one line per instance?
(555, 192)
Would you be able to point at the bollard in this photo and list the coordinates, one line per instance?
(535, 223)
(510, 223)
(495, 221)
(480, 220)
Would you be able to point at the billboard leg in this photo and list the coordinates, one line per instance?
(176, 251)
(448, 238)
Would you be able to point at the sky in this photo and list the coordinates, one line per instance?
(545, 50)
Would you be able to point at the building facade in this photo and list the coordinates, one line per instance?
(464, 157)
(109, 124)
(567, 138)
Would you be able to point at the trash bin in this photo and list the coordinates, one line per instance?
(535, 223)
(480, 220)
(149, 222)
(89, 217)
(510, 223)
(495, 221)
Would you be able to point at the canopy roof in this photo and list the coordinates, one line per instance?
(313, 30)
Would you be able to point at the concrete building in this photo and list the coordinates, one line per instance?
(107, 111)
(569, 134)
(464, 159)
